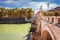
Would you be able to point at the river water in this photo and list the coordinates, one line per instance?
(14, 31)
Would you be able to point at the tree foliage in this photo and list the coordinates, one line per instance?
(16, 12)
(51, 13)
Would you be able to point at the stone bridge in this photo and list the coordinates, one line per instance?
(46, 27)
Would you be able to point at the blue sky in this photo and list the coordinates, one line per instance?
(34, 4)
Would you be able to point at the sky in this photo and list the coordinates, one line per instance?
(34, 4)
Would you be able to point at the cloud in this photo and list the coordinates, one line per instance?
(10, 1)
(1, 6)
(16, 1)
(29, 4)
(36, 5)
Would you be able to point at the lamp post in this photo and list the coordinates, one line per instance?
(47, 8)
(41, 8)
(48, 5)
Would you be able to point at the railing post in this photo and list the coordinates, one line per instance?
(55, 20)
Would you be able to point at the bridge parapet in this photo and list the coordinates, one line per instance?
(51, 28)
(52, 19)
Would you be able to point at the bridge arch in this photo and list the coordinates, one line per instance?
(46, 35)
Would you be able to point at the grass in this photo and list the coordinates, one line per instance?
(14, 31)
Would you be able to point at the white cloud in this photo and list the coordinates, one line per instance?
(30, 4)
(36, 5)
(1, 6)
(9, 1)
(16, 1)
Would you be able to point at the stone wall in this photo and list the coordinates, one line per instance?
(12, 20)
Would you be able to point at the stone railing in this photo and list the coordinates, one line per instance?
(52, 19)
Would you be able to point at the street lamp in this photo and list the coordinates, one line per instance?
(47, 8)
(41, 8)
